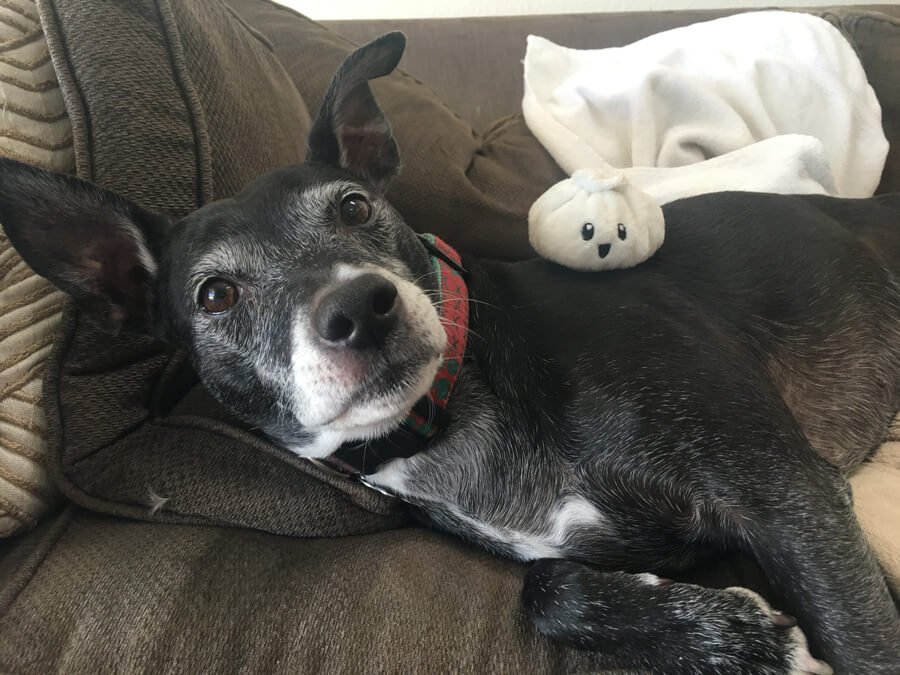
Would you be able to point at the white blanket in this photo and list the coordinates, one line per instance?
(765, 101)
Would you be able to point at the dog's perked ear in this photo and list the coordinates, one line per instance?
(350, 131)
(89, 242)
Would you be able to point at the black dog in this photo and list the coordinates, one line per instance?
(711, 399)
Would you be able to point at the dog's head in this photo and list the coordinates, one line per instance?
(306, 301)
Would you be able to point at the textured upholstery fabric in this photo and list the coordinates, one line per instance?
(176, 598)
(34, 128)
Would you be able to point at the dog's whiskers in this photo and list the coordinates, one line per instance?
(466, 300)
(469, 331)
(424, 276)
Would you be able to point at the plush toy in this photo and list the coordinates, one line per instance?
(596, 220)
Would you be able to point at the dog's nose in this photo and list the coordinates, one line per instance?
(603, 249)
(358, 314)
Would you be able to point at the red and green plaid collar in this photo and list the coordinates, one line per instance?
(429, 414)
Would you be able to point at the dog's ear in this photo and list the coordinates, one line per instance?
(89, 242)
(350, 131)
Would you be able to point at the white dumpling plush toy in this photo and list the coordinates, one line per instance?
(596, 220)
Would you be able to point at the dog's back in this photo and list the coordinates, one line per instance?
(802, 292)
(816, 288)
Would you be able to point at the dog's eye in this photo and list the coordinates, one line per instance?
(587, 231)
(355, 210)
(218, 295)
(622, 232)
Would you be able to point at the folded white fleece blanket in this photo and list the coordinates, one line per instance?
(768, 101)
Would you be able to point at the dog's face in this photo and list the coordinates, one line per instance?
(307, 303)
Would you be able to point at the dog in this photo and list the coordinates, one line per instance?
(608, 427)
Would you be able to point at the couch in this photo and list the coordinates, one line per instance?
(153, 533)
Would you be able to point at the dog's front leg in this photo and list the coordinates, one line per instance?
(805, 536)
(640, 621)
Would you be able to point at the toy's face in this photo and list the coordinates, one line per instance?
(603, 238)
(590, 230)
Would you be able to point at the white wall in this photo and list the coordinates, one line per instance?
(398, 9)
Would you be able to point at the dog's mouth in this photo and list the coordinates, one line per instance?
(363, 390)
(387, 392)
(603, 250)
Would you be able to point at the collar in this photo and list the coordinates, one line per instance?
(429, 415)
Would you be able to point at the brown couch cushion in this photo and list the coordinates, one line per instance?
(94, 593)
(876, 37)
(174, 104)
(201, 599)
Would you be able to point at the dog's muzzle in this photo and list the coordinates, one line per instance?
(428, 415)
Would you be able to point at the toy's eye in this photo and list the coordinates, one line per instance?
(622, 232)
(218, 296)
(587, 231)
(355, 210)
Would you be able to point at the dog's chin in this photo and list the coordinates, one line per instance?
(382, 406)
(377, 411)
(347, 394)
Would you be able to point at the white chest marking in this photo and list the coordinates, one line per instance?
(547, 540)
(568, 514)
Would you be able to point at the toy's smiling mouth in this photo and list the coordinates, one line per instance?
(603, 249)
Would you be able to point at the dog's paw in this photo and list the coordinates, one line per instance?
(643, 621)
(799, 660)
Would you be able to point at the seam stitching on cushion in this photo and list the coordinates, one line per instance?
(247, 27)
(75, 103)
(202, 156)
(55, 429)
(879, 17)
